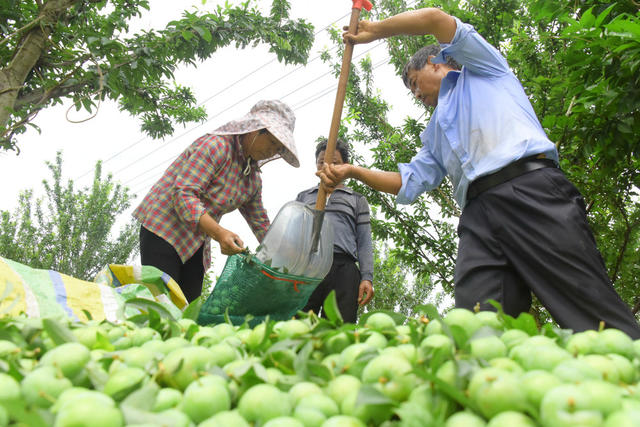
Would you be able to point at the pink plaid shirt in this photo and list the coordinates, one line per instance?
(206, 177)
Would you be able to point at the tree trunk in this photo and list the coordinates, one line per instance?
(29, 50)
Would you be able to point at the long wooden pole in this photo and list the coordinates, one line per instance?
(321, 201)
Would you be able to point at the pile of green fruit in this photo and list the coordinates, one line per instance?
(464, 369)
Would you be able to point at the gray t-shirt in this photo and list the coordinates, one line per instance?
(348, 212)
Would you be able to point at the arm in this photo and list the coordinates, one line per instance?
(364, 247)
(413, 22)
(256, 215)
(388, 182)
(230, 242)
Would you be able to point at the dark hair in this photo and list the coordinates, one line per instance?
(341, 146)
(420, 58)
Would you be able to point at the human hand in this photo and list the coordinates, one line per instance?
(230, 242)
(331, 175)
(366, 33)
(365, 293)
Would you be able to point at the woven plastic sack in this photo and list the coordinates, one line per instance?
(248, 287)
(48, 293)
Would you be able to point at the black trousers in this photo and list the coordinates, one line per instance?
(530, 234)
(344, 278)
(156, 251)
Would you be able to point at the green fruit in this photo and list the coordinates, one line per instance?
(506, 364)
(184, 365)
(575, 371)
(202, 400)
(225, 419)
(496, 391)
(70, 357)
(489, 318)
(513, 337)
(605, 366)
(582, 342)
(137, 357)
(435, 342)
(302, 389)
(290, 328)
(463, 318)
(380, 321)
(349, 358)
(366, 413)
(536, 384)
(433, 327)
(464, 419)
(42, 386)
(623, 418)
(71, 396)
(4, 417)
(175, 418)
(206, 336)
(284, 422)
(376, 340)
(255, 336)
(8, 349)
(320, 402)
(338, 342)
(9, 388)
(488, 348)
(343, 421)
(511, 419)
(567, 405)
(614, 341)
(447, 372)
(169, 345)
(123, 382)
(333, 362)
(628, 373)
(310, 417)
(88, 335)
(263, 402)
(167, 398)
(342, 385)
(538, 354)
(89, 412)
(142, 335)
(605, 397)
(389, 374)
(223, 353)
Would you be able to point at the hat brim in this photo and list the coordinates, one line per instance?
(286, 139)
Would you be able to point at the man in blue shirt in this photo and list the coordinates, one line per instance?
(523, 226)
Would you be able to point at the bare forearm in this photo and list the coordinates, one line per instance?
(388, 182)
(209, 225)
(418, 22)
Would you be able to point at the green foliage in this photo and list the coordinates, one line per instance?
(83, 51)
(69, 230)
(579, 62)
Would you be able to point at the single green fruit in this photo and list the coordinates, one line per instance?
(513, 337)
(302, 389)
(538, 354)
(575, 371)
(623, 418)
(463, 318)
(9, 388)
(72, 395)
(506, 364)
(263, 402)
(4, 417)
(70, 357)
(320, 402)
(389, 374)
(511, 419)
(88, 335)
(284, 422)
(122, 383)
(137, 357)
(290, 328)
(605, 397)
(464, 419)
(568, 405)
(614, 341)
(184, 365)
(628, 372)
(488, 348)
(367, 413)
(42, 386)
(435, 342)
(342, 385)
(489, 318)
(89, 411)
(447, 372)
(167, 398)
(376, 340)
(343, 421)
(223, 353)
(380, 321)
(8, 349)
(142, 335)
(604, 365)
(582, 342)
(433, 327)
(496, 391)
(171, 344)
(310, 417)
(176, 418)
(225, 419)
(537, 383)
(201, 401)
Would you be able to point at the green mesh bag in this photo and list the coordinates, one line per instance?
(248, 287)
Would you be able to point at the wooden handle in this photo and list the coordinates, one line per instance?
(321, 201)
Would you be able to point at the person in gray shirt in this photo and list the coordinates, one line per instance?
(348, 212)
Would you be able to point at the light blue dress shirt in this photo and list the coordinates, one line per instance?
(483, 122)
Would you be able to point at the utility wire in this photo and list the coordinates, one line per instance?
(214, 95)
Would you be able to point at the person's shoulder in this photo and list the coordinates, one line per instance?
(308, 191)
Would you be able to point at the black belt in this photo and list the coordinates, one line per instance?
(512, 170)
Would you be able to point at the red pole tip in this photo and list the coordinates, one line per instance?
(359, 4)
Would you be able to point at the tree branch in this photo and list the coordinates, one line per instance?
(23, 29)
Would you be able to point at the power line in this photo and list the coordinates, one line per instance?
(214, 95)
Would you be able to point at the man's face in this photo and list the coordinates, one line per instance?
(337, 159)
(425, 83)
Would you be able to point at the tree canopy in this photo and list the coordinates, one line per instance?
(52, 50)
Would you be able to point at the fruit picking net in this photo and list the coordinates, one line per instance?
(248, 287)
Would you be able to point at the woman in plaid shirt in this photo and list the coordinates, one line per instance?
(218, 173)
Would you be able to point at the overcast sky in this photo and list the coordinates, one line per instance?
(220, 84)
